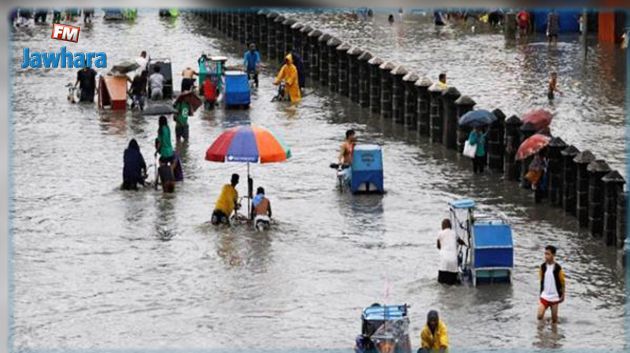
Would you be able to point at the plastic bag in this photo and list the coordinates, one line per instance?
(469, 150)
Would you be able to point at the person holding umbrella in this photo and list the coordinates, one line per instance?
(477, 138)
(536, 174)
(226, 203)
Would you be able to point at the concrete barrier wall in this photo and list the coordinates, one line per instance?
(579, 183)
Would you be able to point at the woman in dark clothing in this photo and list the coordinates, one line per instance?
(134, 169)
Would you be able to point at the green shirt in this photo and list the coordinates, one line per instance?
(183, 111)
(166, 147)
(478, 139)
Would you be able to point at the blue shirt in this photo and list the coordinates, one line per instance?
(250, 60)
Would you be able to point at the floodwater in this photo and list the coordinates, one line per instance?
(511, 76)
(96, 267)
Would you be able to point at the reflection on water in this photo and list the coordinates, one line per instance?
(99, 267)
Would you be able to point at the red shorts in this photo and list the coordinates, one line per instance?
(547, 303)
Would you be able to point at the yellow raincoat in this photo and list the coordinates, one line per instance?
(434, 341)
(288, 73)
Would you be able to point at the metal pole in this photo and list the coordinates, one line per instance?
(585, 31)
(249, 212)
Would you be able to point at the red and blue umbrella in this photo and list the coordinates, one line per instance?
(248, 144)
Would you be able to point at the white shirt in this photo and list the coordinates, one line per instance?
(448, 250)
(142, 62)
(550, 292)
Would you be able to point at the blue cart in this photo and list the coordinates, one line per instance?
(367, 169)
(488, 256)
(237, 91)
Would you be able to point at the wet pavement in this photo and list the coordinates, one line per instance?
(96, 267)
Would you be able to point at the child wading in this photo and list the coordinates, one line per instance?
(552, 289)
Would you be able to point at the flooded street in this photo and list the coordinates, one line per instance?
(96, 267)
(511, 76)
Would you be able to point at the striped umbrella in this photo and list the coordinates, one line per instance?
(248, 144)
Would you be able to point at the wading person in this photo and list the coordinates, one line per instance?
(164, 147)
(181, 121)
(251, 61)
(523, 22)
(156, 83)
(347, 148)
(553, 26)
(134, 167)
(552, 285)
(139, 90)
(536, 175)
(261, 208)
(478, 138)
(434, 335)
(142, 62)
(288, 73)
(447, 242)
(552, 87)
(86, 80)
(188, 79)
(226, 203)
(299, 65)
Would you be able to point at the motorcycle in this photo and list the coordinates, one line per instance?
(281, 95)
(344, 174)
(72, 93)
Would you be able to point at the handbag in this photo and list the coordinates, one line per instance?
(469, 150)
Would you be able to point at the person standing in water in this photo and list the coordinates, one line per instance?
(163, 144)
(139, 90)
(188, 79)
(156, 83)
(347, 148)
(553, 26)
(553, 86)
(86, 80)
(552, 285)
(181, 121)
(478, 138)
(447, 245)
(134, 167)
(251, 61)
(434, 335)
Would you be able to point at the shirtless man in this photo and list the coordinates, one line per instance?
(347, 147)
(188, 80)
